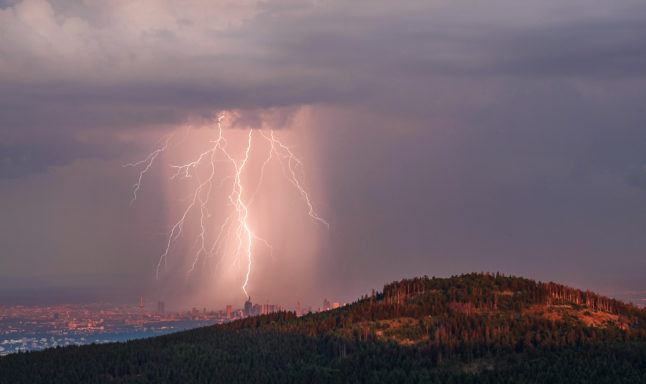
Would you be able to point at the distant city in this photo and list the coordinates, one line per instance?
(25, 328)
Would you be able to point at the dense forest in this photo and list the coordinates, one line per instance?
(474, 328)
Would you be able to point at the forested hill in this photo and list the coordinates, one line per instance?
(468, 328)
(470, 309)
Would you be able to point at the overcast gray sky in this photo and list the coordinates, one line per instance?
(448, 136)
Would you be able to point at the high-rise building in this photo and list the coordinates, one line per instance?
(298, 308)
(229, 310)
(161, 308)
(326, 305)
(141, 311)
(247, 307)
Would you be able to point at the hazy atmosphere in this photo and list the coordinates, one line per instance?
(434, 137)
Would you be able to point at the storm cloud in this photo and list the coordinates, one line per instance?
(66, 66)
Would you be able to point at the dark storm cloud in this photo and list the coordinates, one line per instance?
(26, 156)
(66, 67)
(7, 3)
(33, 157)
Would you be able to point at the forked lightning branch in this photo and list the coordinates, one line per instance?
(236, 226)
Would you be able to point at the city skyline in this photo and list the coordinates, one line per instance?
(24, 327)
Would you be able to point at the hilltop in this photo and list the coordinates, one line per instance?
(468, 328)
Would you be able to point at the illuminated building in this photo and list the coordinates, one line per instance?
(141, 311)
(160, 308)
(247, 307)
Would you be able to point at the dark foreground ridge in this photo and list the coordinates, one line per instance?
(474, 328)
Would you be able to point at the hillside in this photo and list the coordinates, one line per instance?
(468, 328)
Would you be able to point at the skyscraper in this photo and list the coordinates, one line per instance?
(229, 310)
(141, 311)
(160, 308)
(247, 307)
(298, 308)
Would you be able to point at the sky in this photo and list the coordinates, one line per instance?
(437, 138)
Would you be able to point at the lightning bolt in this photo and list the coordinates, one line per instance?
(243, 232)
(292, 162)
(238, 221)
(147, 164)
